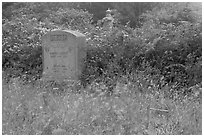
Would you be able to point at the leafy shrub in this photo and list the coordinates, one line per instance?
(173, 40)
(166, 42)
(72, 19)
(164, 45)
(21, 46)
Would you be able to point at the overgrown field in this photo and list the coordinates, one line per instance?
(51, 108)
(142, 73)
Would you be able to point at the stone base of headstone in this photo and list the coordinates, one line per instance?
(63, 85)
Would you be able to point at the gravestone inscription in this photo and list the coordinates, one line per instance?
(63, 54)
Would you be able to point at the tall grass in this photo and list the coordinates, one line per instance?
(43, 108)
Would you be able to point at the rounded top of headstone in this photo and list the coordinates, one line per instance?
(74, 33)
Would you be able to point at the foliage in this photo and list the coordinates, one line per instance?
(139, 78)
(72, 19)
(169, 46)
(182, 38)
(130, 11)
(168, 41)
(22, 51)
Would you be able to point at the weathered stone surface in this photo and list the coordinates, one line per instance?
(63, 54)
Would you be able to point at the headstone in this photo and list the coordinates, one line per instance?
(63, 54)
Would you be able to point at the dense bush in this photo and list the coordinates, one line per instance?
(21, 46)
(22, 49)
(168, 42)
(169, 45)
(176, 42)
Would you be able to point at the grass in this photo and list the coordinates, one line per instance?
(43, 108)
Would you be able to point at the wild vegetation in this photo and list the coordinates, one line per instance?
(142, 76)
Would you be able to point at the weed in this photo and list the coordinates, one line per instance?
(43, 109)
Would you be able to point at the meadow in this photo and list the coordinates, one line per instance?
(53, 108)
